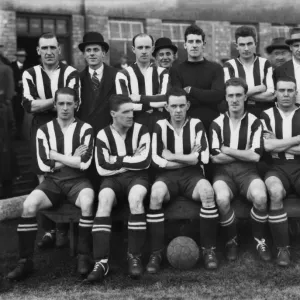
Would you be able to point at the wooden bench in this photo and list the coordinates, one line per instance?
(179, 209)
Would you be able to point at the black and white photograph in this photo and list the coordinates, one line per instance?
(149, 149)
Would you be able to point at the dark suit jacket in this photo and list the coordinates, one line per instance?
(94, 107)
(287, 69)
(17, 76)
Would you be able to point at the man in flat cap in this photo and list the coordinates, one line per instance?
(164, 52)
(279, 52)
(291, 68)
(97, 85)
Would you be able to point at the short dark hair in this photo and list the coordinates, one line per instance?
(66, 91)
(175, 91)
(286, 79)
(244, 31)
(142, 35)
(115, 101)
(48, 35)
(237, 81)
(194, 29)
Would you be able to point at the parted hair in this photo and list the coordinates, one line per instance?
(142, 35)
(237, 81)
(286, 79)
(115, 101)
(66, 91)
(244, 31)
(194, 29)
(175, 91)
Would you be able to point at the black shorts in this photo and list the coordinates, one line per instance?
(237, 175)
(55, 190)
(288, 172)
(181, 181)
(122, 183)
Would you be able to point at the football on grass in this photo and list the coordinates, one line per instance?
(183, 253)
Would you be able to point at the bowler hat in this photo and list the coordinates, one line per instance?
(163, 42)
(277, 43)
(294, 35)
(93, 37)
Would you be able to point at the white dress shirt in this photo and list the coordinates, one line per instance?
(99, 72)
(297, 77)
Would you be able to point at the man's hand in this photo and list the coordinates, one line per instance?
(81, 150)
(139, 150)
(256, 90)
(135, 98)
(52, 154)
(196, 149)
(268, 135)
(187, 89)
(224, 149)
(168, 155)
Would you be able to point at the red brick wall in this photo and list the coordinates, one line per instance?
(77, 36)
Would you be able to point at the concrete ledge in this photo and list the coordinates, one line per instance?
(11, 208)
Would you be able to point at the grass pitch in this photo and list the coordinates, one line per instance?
(55, 277)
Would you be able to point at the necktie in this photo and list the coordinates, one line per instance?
(96, 82)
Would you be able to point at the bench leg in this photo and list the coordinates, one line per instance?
(72, 238)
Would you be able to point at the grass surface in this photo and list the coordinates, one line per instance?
(55, 277)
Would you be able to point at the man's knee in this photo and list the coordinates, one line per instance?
(223, 201)
(106, 202)
(157, 197)
(206, 193)
(259, 199)
(31, 205)
(86, 204)
(277, 193)
(136, 203)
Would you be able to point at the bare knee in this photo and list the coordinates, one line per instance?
(157, 198)
(223, 201)
(136, 204)
(206, 193)
(259, 199)
(86, 205)
(277, 193)
(104, 206)
(30, 206)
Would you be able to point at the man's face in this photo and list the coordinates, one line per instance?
(235, 97)
(286, 94)
(279, 57)
(21, 56)
(246, 46)
(65, 106)
(165, 58)
(295, 48)
(194, 46)
(124, 116)
(94, 55)
(49, 50)
(143, 49)
(177, 107)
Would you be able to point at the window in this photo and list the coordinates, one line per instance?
(175, 31)
(31, 26)
(234, 52)
(120, 34)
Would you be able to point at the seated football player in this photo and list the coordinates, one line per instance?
(236, 146)
(64, 152)
(179, 150)
(282, 139)
(122, 157)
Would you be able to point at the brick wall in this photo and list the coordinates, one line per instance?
(99, 24)
(265, 37)
(8, 36)
(154, 27)
(77, 36)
